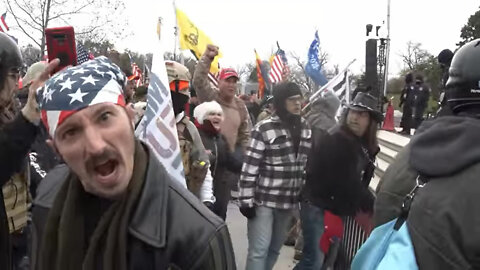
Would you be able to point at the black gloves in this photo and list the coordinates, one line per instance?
(248, 212)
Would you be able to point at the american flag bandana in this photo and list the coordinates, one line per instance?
(93, 82)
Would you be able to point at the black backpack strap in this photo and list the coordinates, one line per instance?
(407, 202)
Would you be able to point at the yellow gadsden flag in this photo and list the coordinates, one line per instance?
(194, 39)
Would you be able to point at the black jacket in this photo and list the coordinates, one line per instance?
(444, 219)
(338, 173)
(170, 227)
(220, 158)
(15, 141)
(407, 96)
(421, 96)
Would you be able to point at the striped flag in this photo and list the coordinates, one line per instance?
(276, 69)
(136, 71)
(278, 66)
(339, 85)
(3, 24)
(213, 79)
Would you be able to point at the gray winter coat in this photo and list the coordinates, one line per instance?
(444, 219)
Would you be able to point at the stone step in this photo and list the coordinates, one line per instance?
(386, 153)
(392, 140)
(381, 167)
(374, 183)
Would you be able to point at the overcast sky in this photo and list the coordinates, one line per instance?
(238, 27)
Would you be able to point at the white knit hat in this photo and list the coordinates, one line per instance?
(203, 110)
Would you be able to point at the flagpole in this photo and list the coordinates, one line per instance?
(388, 51)
(347, 94)
(176, 34)
(316, 94)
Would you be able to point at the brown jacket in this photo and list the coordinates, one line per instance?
(236, 127)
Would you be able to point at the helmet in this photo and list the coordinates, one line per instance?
(178, 77)
(177, 72)
(10, 57)
(463, 85)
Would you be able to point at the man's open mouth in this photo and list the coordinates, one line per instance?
(106, 168)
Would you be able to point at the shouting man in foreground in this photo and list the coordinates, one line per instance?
(117, 207)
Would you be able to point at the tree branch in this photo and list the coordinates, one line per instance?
(30, 25)
(16, 19)
(70, 12)
(29, 13)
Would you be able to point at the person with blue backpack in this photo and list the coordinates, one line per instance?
(427, 207)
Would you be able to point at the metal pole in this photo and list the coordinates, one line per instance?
(387, 57)
(175, 32)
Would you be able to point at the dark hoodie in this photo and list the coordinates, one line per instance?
(443, 221)
(290, 121)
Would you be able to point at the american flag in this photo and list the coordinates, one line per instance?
(82, 54)
(3, 24)
(278, 67)
(136, 71)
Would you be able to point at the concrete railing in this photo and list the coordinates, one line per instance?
(390, 144)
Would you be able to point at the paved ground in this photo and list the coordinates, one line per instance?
(237, 224)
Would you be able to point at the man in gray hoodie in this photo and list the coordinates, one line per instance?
(444, 217)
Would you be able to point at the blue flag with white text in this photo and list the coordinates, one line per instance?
(314, 67)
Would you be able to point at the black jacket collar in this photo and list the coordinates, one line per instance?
(149, 221)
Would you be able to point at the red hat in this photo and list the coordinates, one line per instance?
(226, 73)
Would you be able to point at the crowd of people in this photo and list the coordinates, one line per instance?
(80, 191)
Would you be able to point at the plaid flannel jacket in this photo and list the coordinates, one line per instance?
(272, 175)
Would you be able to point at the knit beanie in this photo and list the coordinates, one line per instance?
(281, 92)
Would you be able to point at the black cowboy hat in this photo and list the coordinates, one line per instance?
(365, 102)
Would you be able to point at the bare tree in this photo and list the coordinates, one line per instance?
(95, 18)
(245, 70)
(414, 55)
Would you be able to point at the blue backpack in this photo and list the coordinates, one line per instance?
(390, 246)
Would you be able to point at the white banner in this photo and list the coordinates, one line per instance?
(158, 126)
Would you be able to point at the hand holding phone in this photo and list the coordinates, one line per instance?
(61, 45)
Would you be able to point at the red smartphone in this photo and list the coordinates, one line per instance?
(61, 45)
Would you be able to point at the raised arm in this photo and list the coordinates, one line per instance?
(205, 90)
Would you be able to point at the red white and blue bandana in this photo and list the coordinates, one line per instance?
(93, 82)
